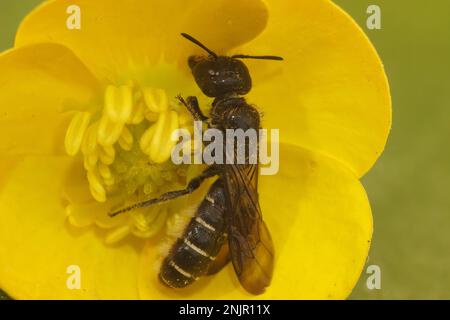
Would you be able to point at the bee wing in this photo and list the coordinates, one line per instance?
(250, 243)
(220, 261)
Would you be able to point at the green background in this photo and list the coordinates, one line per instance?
(409, 188)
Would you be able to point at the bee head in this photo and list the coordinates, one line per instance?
(219, 76)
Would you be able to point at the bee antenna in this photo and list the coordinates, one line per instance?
(198, 43)
(243, 56)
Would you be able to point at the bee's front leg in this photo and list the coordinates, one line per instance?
(191, 103)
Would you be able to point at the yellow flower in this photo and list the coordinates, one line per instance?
(85, 113)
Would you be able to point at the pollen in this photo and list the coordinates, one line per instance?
(125, 148)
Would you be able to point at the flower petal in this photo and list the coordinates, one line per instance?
(7, 164)
(123, 36)
(330, 94)
(38, 245)
(321, 224)
(37, 83)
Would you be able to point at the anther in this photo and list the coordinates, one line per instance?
(76, 131)
(126, 139)
(109, 132)
(162, 144)
(96, 187)
(118, 103)
(90, 139)
(107, 154)
(156, 99)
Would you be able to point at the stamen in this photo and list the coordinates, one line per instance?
(107, 154)
(105, 171)
(89, 144)
(109, 182)
(118, 103)
(162, 144)
(75, 132)
(79, 215)
(147, 224)
(126, 139)
(151, 116)
(146, 140)
(118, 234)
(156, 99)
(90, 160)
(121, 172)
(138, 114)
(96, 187)
(108, 131)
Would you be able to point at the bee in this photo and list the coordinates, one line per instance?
(228, 223)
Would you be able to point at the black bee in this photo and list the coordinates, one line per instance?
(228, 223)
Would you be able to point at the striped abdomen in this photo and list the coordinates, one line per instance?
(192, 254)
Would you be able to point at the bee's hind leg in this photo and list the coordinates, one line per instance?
(193, 185)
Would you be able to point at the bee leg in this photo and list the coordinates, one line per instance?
(191, 103)
(193, 185)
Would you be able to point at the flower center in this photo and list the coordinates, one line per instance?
(126, 149)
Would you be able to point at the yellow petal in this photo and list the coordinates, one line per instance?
(120, 37)
(330, 94)
(38, 245)
(321, 224)
(37, 84)
(7, 165)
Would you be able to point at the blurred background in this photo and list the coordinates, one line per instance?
(409, 188)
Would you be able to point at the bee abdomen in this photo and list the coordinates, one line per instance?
(193, 253)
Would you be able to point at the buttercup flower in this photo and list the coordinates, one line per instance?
(86, 117)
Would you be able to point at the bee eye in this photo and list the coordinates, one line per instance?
(233, 122)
